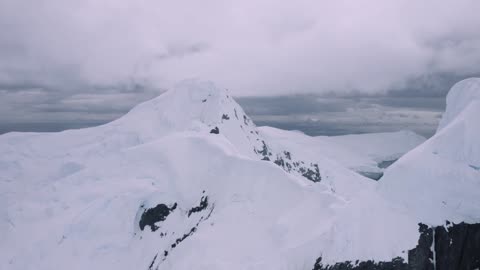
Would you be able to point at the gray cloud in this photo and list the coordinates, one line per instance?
(65, 62)
(417, 106)
(317, 115)
(253, 47)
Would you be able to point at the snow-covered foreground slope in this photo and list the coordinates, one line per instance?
(89, 218)
(186, 181)
(367, 154)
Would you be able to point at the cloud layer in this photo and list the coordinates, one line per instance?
(252, 47)
(66, 63)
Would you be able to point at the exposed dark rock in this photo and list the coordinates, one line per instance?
(457, 247)
(245, 119)
(225, 117)
(396, 264)
(313, 175)
(311, 172)
(153, 215)
(153, 262)
(204, 202)
(450, 247)
(279, 161)
(204, 100)
(235, 111)
(421, 256)
(264, 151)
(215, 131)
(203, 205)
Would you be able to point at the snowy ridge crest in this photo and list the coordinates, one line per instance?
(459, 98)
(199, 106)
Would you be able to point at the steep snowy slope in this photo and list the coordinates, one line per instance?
(367, 154)
(440, 179)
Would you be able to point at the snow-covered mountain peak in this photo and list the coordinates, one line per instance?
(186, 106)
(446, 166)
(200, 107)
(459, 97)
(193, 106)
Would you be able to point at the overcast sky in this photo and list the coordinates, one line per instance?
(66, 64)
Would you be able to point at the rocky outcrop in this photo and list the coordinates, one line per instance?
(449, 247)
(284, 159)
(215, 130)
(310, 171)
(395, 264)
(457, 246)
(153, 215)
(174, 236)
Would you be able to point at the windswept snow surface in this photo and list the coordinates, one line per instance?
(76, 199)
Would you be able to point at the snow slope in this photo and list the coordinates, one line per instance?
(88, 219)
(440, 179)
(364, 153)
(174, 184)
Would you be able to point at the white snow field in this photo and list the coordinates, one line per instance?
(228, 195)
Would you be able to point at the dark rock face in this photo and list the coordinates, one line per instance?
(421, 257)
(265, 152)
(457, 247)
(215, 131)
(225, 117)
(204, 210)
(246, 120)
(153, 262)
(450, 247)
(154, 215)
(203, 205)
(287, 163)
(312, 173)
(395, 264)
